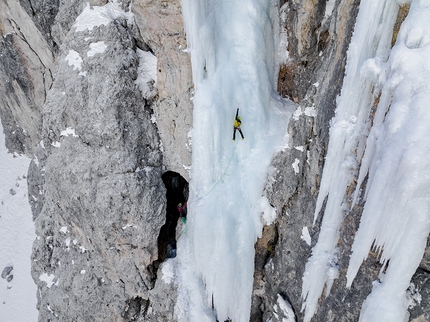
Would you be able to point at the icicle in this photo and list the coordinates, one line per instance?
(397, 210)
(371, 39)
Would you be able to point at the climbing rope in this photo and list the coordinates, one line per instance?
(212, 189)
(219, 180)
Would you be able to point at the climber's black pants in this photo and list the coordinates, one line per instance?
(234, 133)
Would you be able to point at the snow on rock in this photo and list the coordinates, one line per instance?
(308, 111)
(295, 166)
(96, 48)
(147, 77)
(329, 8)
(64, 230)
(306, 236)
(74, 59)
(168, 271)
(56, 144)
(49, 279)
(268, 213)
(69, 131)
(94, 16)
(286, 310)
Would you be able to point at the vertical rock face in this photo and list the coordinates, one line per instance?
(161, 26)
(103, 197)
(95, 182)
(26, 67)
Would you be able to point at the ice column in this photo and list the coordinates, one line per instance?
(371, 40)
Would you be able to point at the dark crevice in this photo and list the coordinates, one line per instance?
(177, 194)
(135, 307)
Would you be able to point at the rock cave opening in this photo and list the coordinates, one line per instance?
(177, 196)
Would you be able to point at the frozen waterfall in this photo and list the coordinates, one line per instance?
(389, 149)
(233, 47)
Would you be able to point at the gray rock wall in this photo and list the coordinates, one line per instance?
(103, 197)
(26, 67)
(161, 26)
(95, 184)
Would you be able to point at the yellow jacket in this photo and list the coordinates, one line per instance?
(237, 123)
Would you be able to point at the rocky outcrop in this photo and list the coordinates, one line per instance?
(103, 197)
(95, 182)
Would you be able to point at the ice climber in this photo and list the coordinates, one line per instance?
(237, 124)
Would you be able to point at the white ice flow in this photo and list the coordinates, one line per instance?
(233, 47)
(16, 239)
(396, 216)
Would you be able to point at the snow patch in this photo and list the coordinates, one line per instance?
(306, 236)
(268, 213)
(128, 225)
(295, 166)
(147, 74)
(74, 59)
(48, 279)
(329, 6)
(413, 296)
(153, 119)
(286, 308)
(64, 230)
(17, 234)
(67, 242)
(307, 111)
(96, 48)
(69, 131)
(168, 271)
(101, 15)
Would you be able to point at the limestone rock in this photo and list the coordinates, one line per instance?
(26, 67)
(419, 296)
(6, 272)
(104, 200)
(162, 29)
